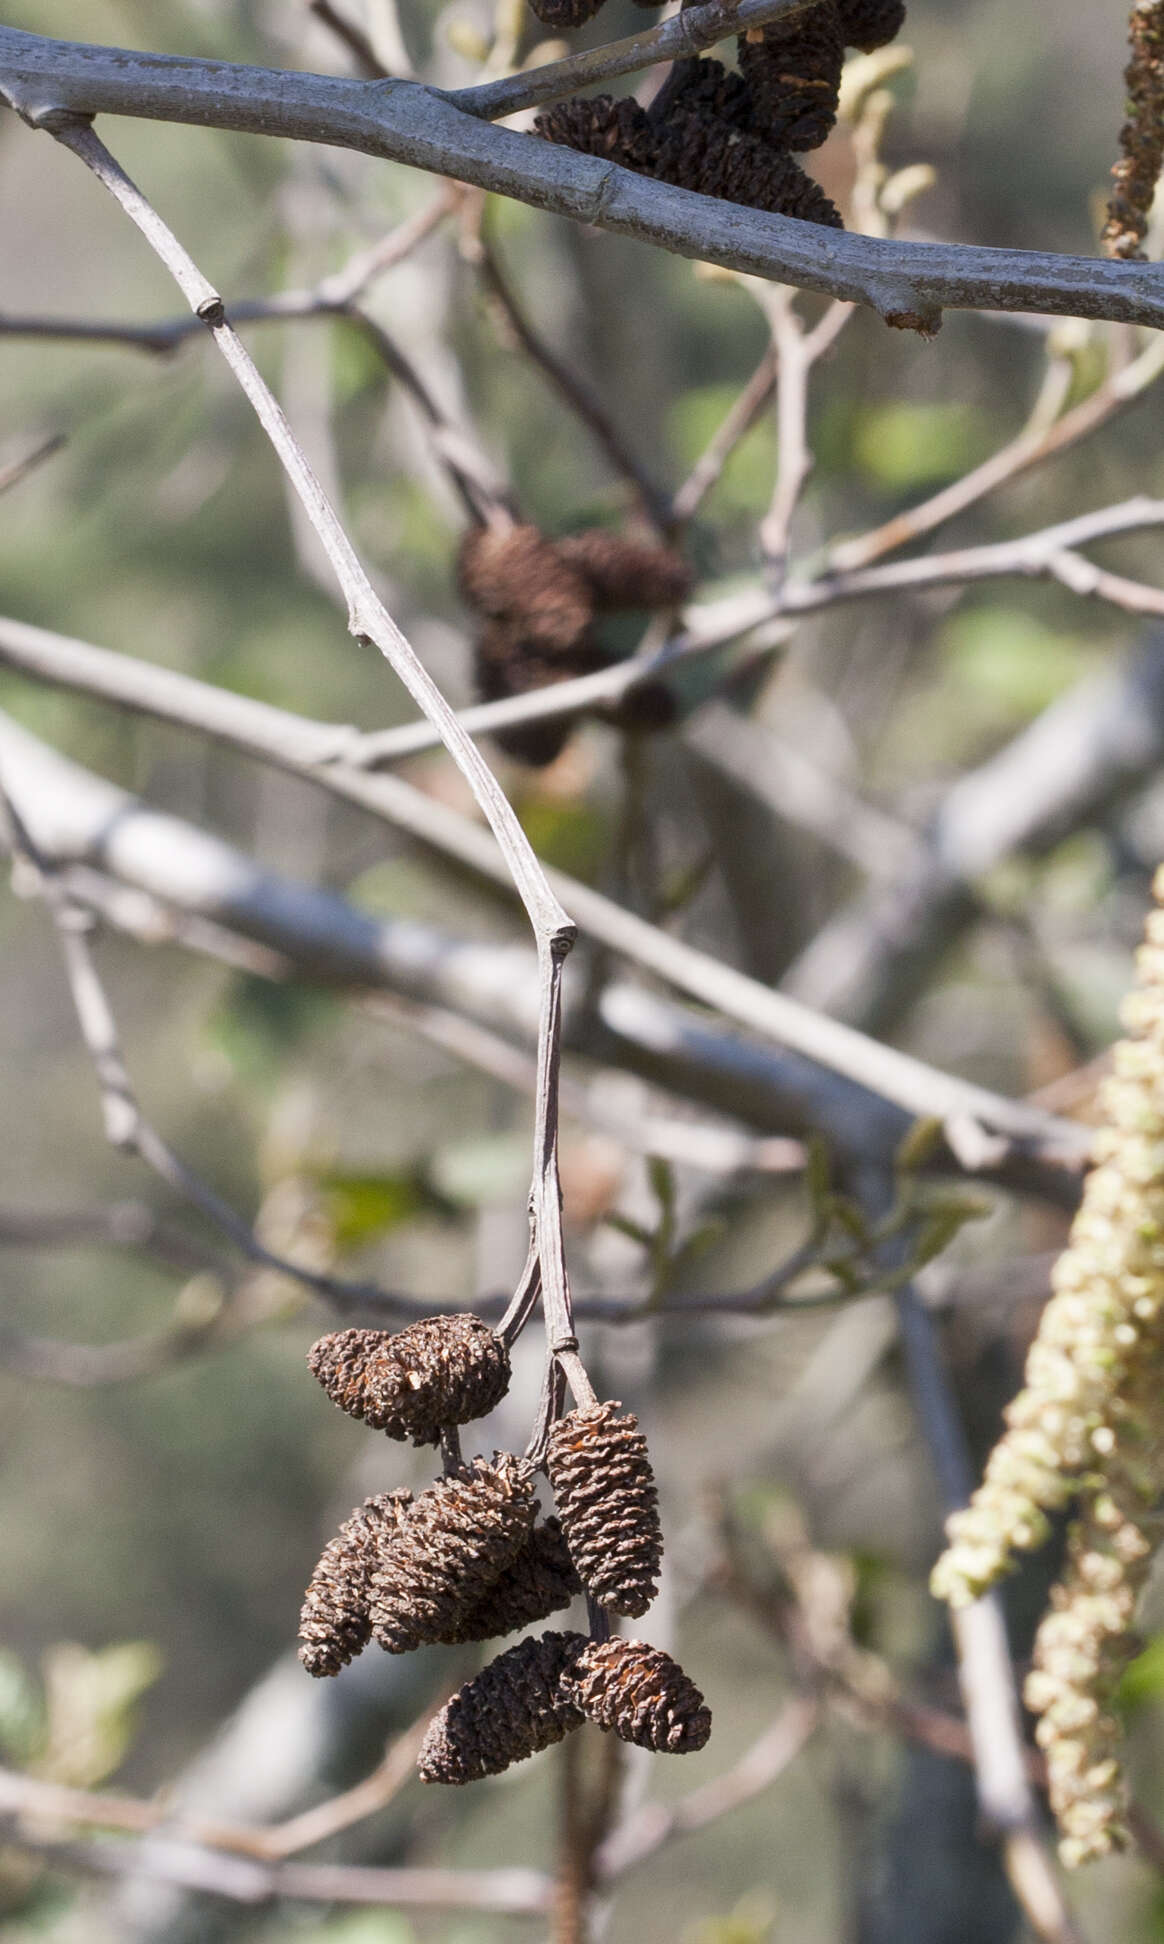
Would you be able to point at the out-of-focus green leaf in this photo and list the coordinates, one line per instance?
(360, 1207)
(485, 1168)
(1143, 1679)
(917, 444)
(89, 1704)
(360, 1927)
(751, 1922)
(574, 836)
(22, 1723)
(258, 1023)
(746, 481)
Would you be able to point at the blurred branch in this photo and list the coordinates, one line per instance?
(352, 37)
(909, 284)
(1011, 1129)
(14, 470)
(578, 396)
(127, 1129)
(1045, 435)
(1084, 754)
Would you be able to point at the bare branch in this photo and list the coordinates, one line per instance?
(907, 283)
(17, 469)
(294, 743)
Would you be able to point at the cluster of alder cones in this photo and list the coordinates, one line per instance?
(470, 1558)
(732, 133)
(538, 599)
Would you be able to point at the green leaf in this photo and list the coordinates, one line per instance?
(22, 1724)
(360, 1207)
(914, 444)
(1142, 1680)
(90, 1702)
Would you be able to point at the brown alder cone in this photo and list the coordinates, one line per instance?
(506, 663)
(692, 150)
(1136, 174)
(515, 572)
(621, 573)
(793, 70)
(699, 85)
(540, 1581)
(441, 1370)
(335, 1624)
(640, 1693)
(694, 154)
(566, 14)
(454, 1541)
(617, 131)
(509, 1711)
(606, 1498)
(868, 24)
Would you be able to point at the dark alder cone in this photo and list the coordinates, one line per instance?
(703, 87)
(867, 24)
(565, 14)
(516, 573)
(513, 1708)
(639, 1692)
(623, 573)
(541, 1580)
(335, 1625)
(695, 154)
(606, 1498)
(454, 1541)
(618, 131)
(441, 1370)
(647, 706)
(793, 71)
(506, 663)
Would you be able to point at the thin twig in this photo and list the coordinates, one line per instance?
(288, 741)
(15, 470)
(353, 38)
(909, 284)
(586, 406)
(369, 620)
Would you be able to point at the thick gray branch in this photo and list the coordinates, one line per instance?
(907, 283)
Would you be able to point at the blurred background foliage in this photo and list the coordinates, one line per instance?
(157, 1536)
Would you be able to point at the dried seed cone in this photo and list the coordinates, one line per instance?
(541, 1580)
(869, 24)
(626, 573)
(617, 131)
(639, 1692)
(793, 70)
(506, 662)
(1107, 1306)
(454, 1541)
(335, 1624)
(695, 153)
(606, 1498)
(441, 1370)
(566, 14)
(516, 573)
(513, 1708)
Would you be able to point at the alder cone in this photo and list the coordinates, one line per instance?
(454, 1541)
(694, 154)
(335, 1624)
(700, 86)
(618, 131)
(505, 663)
(540, 1581)
(640, 1693)
(867, 24)
(509, 1711)
(441, 1370)
(571, 13)
(626, 573)
(793, 71)
(606, 1498)
(515, 573)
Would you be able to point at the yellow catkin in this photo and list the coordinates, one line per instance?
(1086, 1638)
(1108, 1291)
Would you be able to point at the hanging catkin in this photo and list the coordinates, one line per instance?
(622, 573)
(516, 573)
(640, 1693)
(513, 1708)
(608, 1504)
(454, 1541)
(335, 1624)
(440, 1371)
